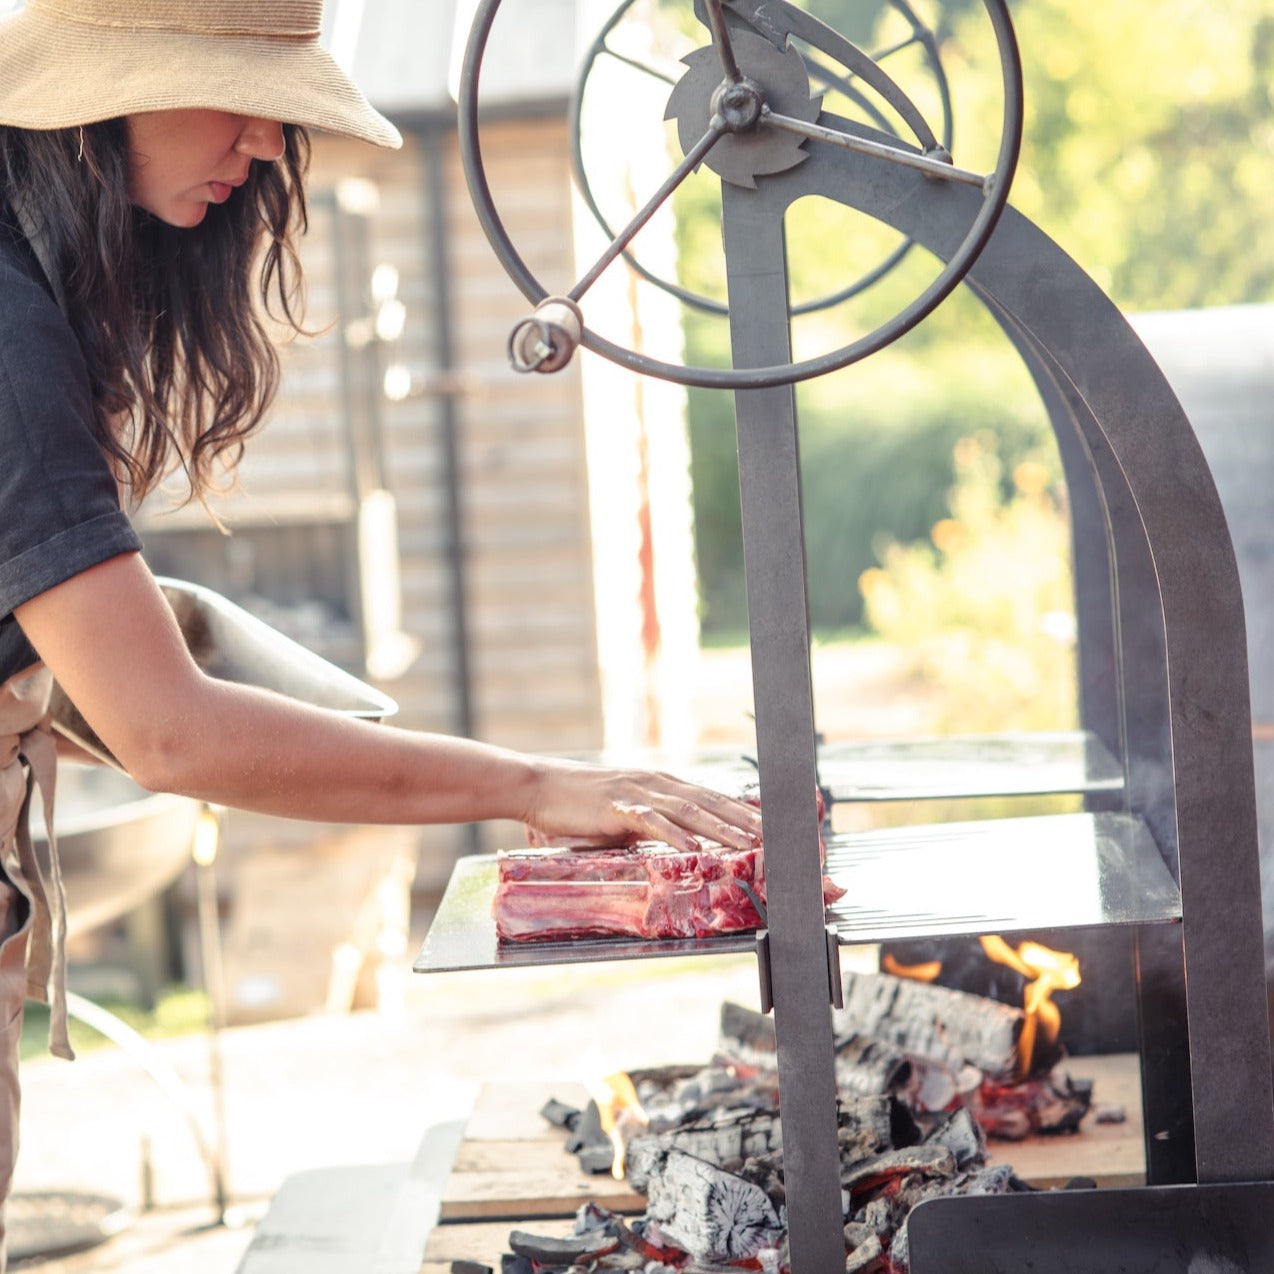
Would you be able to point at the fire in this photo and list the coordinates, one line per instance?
(620, 1113)
(1050, 971)
(925, 972)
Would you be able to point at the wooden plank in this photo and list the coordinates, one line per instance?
(511, 1111)
(527, 1178)
(483, 1241)
(513, 1162)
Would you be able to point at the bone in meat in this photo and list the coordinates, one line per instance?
(647, 890)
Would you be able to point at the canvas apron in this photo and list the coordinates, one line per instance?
(32, 934)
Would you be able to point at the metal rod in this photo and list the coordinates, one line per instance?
(666, 77)
(440, 257)
(694, 157)
(846, 141)
(721, 39)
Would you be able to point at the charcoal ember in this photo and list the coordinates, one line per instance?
(669, 1103)
(617, 1260)
(511, 1263)
(865, 1125)
(1048, 1105)
(747, 1036)
(728, 1137)
(934, 1022)
(962, 1135)
(570, 1250)
(868, 1174)
(869, 1067)
(1109, 1113)
(587, 1131)
(993, 1180)
(868, 1257)
(877, 1216)
(766, 1171)
(559, 1114)
(712, 1214)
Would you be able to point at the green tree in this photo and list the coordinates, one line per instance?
(1148, 154)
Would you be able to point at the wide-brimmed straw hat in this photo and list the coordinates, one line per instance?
(70, 62)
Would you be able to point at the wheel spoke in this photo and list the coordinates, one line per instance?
(665, 77)
(721, 39)
(847, 141)
(694, 157)
(879, 55)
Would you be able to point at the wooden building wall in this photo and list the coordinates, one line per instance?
(294, 553)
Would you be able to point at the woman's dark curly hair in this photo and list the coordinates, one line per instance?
(172, 321)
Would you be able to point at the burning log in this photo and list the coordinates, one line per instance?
(1051, 1104)
(726, 1140)
(866, 1066)
(928, 1021)
(866, 1257)
(868, 1174)
(713, 1215)
(575, 1249)
(961, 1133)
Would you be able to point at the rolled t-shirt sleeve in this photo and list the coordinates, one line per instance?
(59, 504)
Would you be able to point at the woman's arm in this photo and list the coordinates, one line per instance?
(111, 640)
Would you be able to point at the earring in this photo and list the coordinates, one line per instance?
(79, 158)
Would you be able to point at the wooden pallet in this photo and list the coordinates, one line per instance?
(512, 1171)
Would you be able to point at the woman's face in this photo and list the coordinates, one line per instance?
(181, 161)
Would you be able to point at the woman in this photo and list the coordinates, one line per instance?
(151, 165)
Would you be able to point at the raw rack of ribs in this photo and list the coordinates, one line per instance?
(646, 890)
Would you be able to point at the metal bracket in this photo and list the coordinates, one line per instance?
(835, 987)
(763, 969)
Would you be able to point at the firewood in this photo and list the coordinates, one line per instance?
(994, 1180)
(748, 1036)
(930, 1161)
(865, 1125)
(866, 1258)
(571, 1250)
(728, 1138)
(867, 1067)
(962, 1135)
(713, 1215)
(931, 1021)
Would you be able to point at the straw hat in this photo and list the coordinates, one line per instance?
(70, 62)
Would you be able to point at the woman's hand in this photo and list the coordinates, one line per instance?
(586, 806)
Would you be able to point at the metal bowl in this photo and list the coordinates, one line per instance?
(119, 845)
(232, 645)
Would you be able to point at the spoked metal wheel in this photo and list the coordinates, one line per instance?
(744, 109)
(608, 46)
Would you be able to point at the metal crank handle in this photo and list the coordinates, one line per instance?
(548, 339)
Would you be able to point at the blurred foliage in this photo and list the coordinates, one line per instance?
(985, 604)
(1148, 155)
(178, 1010)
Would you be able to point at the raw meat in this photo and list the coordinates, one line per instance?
(647, 890)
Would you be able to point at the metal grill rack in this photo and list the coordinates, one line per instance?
(1167, 846)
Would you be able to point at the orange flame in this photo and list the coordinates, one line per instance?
(620, 1113)
(926, 972)
(1050, 971)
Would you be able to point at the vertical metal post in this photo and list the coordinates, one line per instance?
(774, 553)
(439, 257)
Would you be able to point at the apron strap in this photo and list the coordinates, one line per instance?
(46, 964)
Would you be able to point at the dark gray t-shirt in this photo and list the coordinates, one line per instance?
(59, 504)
